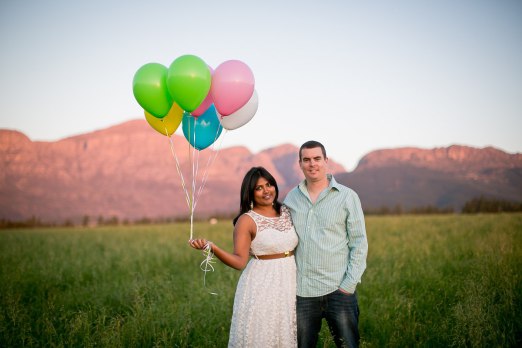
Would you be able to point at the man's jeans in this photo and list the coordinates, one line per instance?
(341, 312)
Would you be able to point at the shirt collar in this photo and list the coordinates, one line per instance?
(332, 183)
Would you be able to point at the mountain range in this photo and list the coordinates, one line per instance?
(130, 171)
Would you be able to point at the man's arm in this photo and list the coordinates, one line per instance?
(357, 245)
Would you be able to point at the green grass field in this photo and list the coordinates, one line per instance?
(431, 281)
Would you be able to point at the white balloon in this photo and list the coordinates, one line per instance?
(241, 116)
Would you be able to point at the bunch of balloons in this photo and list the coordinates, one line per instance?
(203, 100)
(191, 93)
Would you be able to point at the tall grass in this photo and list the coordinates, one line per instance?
(443, 281)
(431, 281)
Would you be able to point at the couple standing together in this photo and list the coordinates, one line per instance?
(282, 297)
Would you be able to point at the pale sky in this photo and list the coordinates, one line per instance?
(355, 75)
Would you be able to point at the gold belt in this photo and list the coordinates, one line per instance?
(275, 256)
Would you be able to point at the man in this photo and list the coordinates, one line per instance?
(331, 254)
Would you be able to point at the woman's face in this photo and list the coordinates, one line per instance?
(264, 192)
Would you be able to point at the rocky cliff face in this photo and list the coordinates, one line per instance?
(440, 177)
(453, 159)
(130, 171)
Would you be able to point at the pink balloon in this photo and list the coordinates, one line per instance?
(205, 104)
(232, 86)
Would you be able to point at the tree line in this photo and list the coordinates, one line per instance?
(476, 205)
(490, 205)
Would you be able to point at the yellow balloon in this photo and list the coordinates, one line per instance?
(166, 125)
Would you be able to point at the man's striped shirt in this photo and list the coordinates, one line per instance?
(332, 247)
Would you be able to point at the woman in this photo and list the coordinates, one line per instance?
(264, 304)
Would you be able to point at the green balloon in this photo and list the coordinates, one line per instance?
(150, 89)
(188, 81)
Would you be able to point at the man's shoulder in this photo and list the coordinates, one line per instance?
(341, 187)
(293, 191)
(348, 191)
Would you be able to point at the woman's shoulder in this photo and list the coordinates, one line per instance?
(246, 224)
(246, 218)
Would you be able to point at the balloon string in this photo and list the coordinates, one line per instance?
(178, 167)
(194, 162)
(192, 197)
(195, 171)
(210, 162)
(206, 264)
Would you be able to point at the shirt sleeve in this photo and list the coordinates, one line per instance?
(357, 244)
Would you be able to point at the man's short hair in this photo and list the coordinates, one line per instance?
(311, 144)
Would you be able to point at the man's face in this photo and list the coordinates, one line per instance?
(313, 164)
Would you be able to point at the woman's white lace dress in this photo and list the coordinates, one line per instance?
(264, 304)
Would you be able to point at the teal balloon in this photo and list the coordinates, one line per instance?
(202, 131)
(150, 89)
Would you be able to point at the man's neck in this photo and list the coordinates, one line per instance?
(314, 188)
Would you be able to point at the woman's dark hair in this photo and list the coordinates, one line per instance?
(248, 186)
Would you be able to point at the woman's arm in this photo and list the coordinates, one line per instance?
(243, 232)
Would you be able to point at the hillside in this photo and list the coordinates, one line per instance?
(129, 171)
(440, 177)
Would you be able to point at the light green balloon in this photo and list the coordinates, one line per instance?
(150, 89)
(188, 81)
